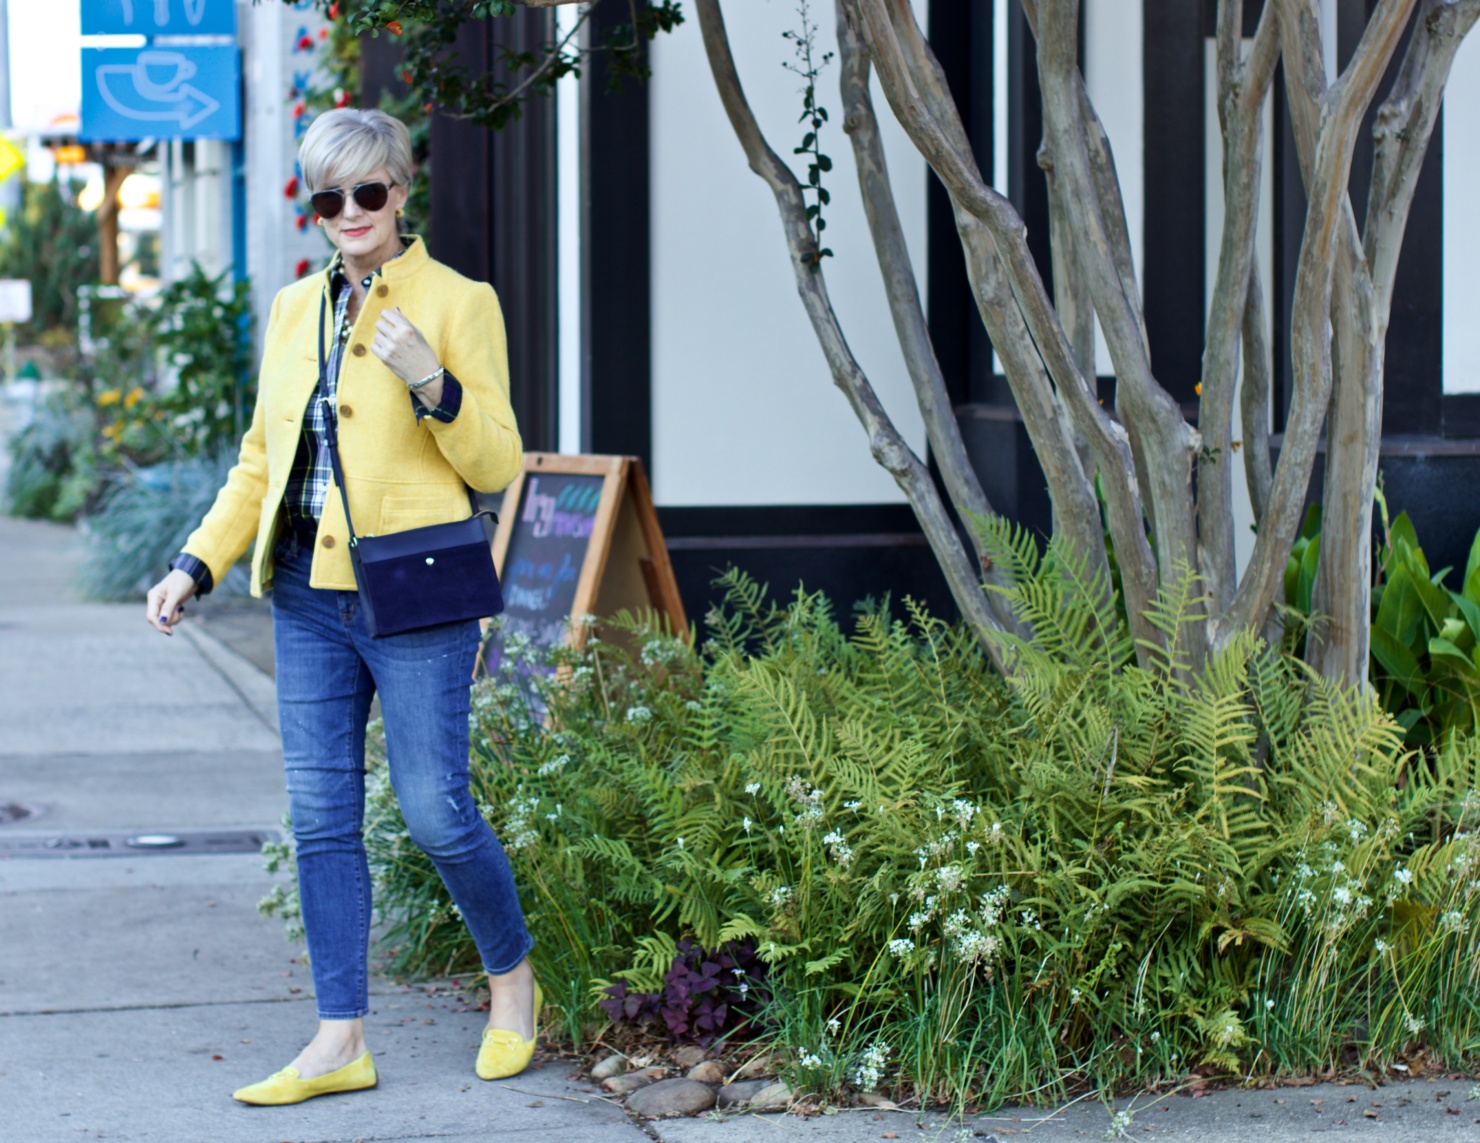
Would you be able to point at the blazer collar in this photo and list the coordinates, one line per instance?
(412, 259)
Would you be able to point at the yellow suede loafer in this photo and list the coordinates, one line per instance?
(502, 1053)
(287, 1086)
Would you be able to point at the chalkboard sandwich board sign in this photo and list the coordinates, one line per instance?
(578, 536)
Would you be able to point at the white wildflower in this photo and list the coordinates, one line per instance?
(1342, 895)
(554, 766)
(1403, 876)
(809, 1060)
(1415, 1025)
(964, 811)
(1381, 946)
(901, 947)
(693, 706)
(780, 895)
(1119, 1124)
(1455, 922)
(746, 824)
(841, 851)
(753, 788)
(1269, 1005)
(834, 1026)
(639, 714)
(870, 1067)
(950, 878)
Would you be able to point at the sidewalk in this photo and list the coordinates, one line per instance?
(136, 992)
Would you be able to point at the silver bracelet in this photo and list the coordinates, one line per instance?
(427, 380)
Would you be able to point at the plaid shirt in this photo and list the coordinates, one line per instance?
(312, 471)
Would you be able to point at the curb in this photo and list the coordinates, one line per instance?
(255, 687)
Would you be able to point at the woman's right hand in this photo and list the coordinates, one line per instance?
(166, 605)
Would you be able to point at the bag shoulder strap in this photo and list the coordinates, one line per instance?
(331, 430)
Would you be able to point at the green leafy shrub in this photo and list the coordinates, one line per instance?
(53, 243)
(203, 327)
(53, 460)
(144, 520)
(1425, 637)
(968, 888)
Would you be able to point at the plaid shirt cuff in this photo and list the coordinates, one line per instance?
(447, 407)
(196, 570)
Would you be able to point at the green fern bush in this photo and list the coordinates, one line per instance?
(969, 888)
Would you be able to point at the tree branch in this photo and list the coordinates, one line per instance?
(861, 126)
(1012, 299)
(1242, 88)
(1254, 396)
(1329, 210)
(885, 443)
(1166, 443)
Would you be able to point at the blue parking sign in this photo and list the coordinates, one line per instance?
(130, 94)
(159, 17)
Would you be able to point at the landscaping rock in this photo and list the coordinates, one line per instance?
(631, 1081)
(710, 1072)
(742, 1091)
(609, 1067)
(757, 1066)
(773, 1097)
(672, 1097)
(688, 1056)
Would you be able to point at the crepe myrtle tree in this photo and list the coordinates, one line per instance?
(1165, 487)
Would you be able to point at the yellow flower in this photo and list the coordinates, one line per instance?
(108, 397)
(135, 395)
(112, 431)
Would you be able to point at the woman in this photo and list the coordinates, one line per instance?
(416, 372)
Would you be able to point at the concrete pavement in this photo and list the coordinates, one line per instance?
(136, 992)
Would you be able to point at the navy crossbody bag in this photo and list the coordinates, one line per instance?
(442, 573)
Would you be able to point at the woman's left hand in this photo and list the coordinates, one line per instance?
(401, 346)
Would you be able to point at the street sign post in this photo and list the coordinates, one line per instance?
(158, 17)
(130, 94)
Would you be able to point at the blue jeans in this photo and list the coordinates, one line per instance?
(328, 670)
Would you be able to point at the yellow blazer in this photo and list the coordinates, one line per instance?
(401, 473)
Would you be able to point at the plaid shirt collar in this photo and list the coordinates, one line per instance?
(308, 483)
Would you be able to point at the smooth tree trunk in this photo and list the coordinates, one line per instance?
(1166, 485)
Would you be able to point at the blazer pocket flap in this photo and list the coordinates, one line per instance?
(401, 513)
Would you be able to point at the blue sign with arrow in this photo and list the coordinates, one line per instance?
(130, 94)
(159, 17)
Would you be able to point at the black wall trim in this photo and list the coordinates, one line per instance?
(961, 35)
(616, 272)
(493, 219)
(1173, 276)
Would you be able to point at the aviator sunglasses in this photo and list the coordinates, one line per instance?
(370, 196)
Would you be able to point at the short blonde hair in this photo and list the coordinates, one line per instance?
(347, 143)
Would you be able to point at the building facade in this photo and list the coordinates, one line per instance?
(652, 309)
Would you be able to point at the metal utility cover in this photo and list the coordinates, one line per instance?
(133, 843)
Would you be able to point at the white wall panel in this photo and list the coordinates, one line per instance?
(1462, 222)
(744, 408)
(1113, 56)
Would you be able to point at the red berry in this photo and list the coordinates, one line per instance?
(394, 28)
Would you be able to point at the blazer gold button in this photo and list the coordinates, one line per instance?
(327, 541)
(346, 411)
(358, 350)
(382, 291)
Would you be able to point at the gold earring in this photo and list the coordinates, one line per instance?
(400, 213)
